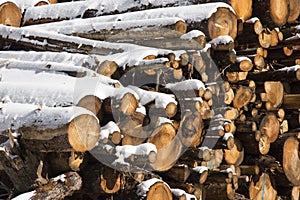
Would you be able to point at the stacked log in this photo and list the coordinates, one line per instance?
(201, 102)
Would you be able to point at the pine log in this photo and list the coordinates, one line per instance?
(291, 160)
(269, 126)
(198, 175)
(10, 14)
(110, 180)
(295, 193)
(154, 189)
(178, 173)
(20, 170)
(179, 194)
(97, 29)
(219, 191)
(38, 66)
(190, 129)
(272, 12)
(187, 13)
(293, 10)
(261, 187)
(234, 156)
(58, 188)
(168, 146)
(52, 129)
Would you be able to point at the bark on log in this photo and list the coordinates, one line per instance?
(58, 188)
(216, 10)
(10, 14)
(119, 30)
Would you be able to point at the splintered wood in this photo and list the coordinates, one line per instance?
(150, 99)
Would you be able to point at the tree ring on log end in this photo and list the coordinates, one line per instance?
(10, 14)
(83, 132)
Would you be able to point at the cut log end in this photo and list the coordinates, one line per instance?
(181, 27)
(10, 14)
(291, 160)
(128, 104)
(83, 133)
(159, 191)
(222, 22)
(90, 103)
(279, 10)
(269, 126)
(242, 8)
(262, 188)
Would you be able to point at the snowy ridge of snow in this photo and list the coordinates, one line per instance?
(192, 34)
(200, 169)
(17, 115)
(252, 20)
(25, 196)
(91, 24)
(141, 109)
(163, 120)
(192, 84)
(242, 58)
(295, 37)
(161, 99)
(179, 193)
(125, 151)
(77, 9)
(108, 129)
(60, 178)
(223, 39)
(291, 68)
(145, 186)
(227, 136)
(39, 66)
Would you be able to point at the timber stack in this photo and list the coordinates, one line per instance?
(193, 99)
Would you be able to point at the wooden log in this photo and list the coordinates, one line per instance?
(110, 180)
(58, 188)
(269, 126)
(52, 129)
(178, 173)
(295, 193)
(119, 30)
(291, 160)
(190, 129)
(71, 70)
(20, 170)
(161, 100)
(168, 146)
(189, 12)
(262, 187)
(154, 189)
(234, 156)
(40, 40)
(293, 10)
(272, 13)
(198, 175)
(219, 191)
(181, 195)
(10, 14)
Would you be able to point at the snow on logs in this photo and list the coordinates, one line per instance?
(51, 129)
(208, 21)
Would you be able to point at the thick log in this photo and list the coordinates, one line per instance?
(179, 194)
(168, 146)
(234, 156)
(58, 188)
(295, 193)
(291, 160)
(272, 12)
(188, 13)
(261, 187)
(10, 14)
(293, 10)
(269, 126)
(52, 129)
(154, 189)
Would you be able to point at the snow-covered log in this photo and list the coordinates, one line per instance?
(59, 90)
(51, 129)
(161, 100)
(44, 66)
(195, 20)
(154, 189)
(57, 188)
(102, 30)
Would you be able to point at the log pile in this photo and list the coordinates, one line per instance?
(174, 100)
